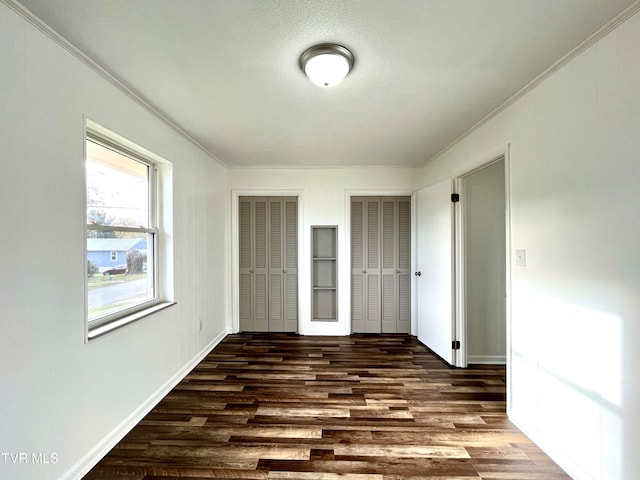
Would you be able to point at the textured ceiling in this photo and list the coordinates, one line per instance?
(227, 72)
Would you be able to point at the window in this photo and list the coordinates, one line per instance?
(122, 234)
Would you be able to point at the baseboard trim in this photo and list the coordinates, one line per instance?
(487, 359)
(87, 462)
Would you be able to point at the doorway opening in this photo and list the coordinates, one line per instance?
(482, 268)
(461, 274)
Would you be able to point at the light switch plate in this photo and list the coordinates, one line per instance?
(521, 258)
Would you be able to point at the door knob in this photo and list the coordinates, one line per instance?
(364, 271)
(418, 274)
(284, 270)
(251, 270)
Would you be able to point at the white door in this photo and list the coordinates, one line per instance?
(434, 275)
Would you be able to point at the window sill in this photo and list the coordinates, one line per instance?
(100, 330)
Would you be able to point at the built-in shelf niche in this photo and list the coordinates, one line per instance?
(324, 280)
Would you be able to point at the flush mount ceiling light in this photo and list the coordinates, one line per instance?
(326, 64)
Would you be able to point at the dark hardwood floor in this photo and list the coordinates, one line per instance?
(360, 407)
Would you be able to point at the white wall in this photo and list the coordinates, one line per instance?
(60, 396)
(323, 199)
(483, 200)
(575, 188)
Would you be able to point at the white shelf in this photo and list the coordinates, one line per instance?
(324, 282)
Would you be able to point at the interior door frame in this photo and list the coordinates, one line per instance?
(235, 250)
(500, 154)
(346, 256)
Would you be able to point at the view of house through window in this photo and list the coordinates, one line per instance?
(121, 232)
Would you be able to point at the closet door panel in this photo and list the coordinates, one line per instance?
(268, 264)
(276, 321)
(245, 221)
(373, 305)
(291, 303)
(358, 249)
(260, 321)
(357, 303)
(404, 304)
(373, 235)
(381, 264)
(389, 255)
(372, 266)
(389, 306)
(261, 271)
(290, 255)
(404, 265)
(276, 267)
(246, 302)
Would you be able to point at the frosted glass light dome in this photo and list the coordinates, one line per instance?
(326, 65)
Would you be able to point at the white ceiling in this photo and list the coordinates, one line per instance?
(226, 71)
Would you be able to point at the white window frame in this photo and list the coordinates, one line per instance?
(106, 323)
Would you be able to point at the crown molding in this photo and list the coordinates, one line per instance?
(322, 167)
(599, 34)
(105, 74)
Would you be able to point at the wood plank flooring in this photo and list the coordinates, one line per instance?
(278, 406)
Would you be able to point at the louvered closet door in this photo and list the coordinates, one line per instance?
(365, 265)
(381, 263)
(389, 255)
(372, 265)
(290, 256)
(245, 232)
(404, 265)
(268, 264)
(276, 275)
(253, 263)
(396, 264)
(283, 264)
(358, 249)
